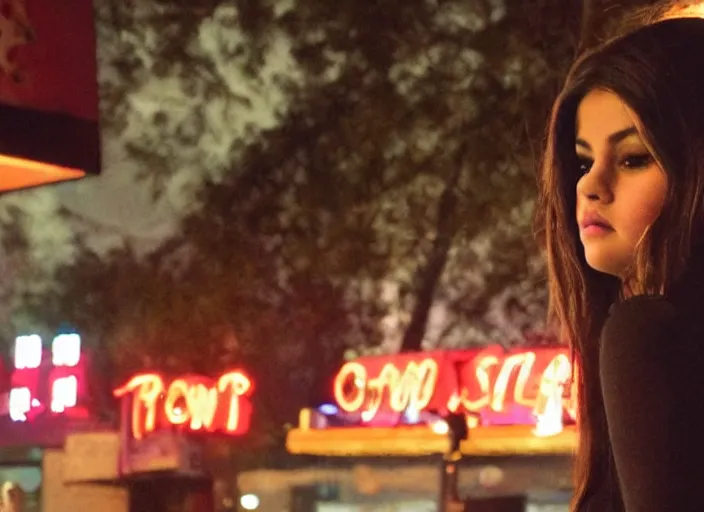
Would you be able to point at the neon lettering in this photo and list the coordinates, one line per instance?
(202, 402)
(352, 376)
(523, 361)
(177, 415)
(549, 405)
(146, 389)
(193, 403)
(239, 386)
(460, 398)
(411, 388)
(487, 384)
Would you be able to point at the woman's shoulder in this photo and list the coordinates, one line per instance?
(638, 304)
(650, 365)
(639, 319)
(651, 327)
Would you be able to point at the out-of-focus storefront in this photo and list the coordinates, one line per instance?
(46, 394)
(65, 455)
(384, 443)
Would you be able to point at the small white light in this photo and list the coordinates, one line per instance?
(20, 403)
(64, 393)
(28, 351)
(249, 501)
(412, 415)
(66, 350)
(440, 427)
(490, 476)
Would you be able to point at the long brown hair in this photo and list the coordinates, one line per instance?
(658, 71)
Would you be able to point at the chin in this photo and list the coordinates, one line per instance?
(606, 264)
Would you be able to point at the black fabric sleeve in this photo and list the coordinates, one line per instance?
(650, 382)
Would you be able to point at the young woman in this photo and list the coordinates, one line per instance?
(623, 225)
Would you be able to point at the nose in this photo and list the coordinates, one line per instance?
(596, 185)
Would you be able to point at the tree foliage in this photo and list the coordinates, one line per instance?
(404, 159)
(385, 199)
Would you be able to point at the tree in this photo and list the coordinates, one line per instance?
(393, 177)
(426, 116)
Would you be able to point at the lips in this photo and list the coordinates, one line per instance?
(594, 220)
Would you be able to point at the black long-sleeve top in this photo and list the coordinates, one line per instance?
(652, 382)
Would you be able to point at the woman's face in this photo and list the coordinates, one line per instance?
(622, 188)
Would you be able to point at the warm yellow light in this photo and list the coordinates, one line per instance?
(176, 415)
(17, 173)
(686, 10)
(440, 427)
(147, 387)
(422, 440)
(410, 387)
(240, 386)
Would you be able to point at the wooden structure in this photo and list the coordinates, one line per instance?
(422, 440)
(393, 415)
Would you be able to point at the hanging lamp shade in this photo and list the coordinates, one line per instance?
(49, 128)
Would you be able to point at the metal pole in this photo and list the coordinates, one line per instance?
(449, 500)
(443, 485)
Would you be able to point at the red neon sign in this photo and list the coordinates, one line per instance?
(192, 403)
(491, 385)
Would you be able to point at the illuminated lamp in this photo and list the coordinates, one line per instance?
(249, 501)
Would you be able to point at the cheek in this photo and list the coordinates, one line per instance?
(644, 208)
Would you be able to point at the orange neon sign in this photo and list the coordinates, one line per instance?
(413, 387)
(192, 403)
(490, 385)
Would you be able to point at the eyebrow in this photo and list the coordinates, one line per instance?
(614, 138)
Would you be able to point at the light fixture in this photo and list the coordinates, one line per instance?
(440, 427)
(249, 501)
(328, 409)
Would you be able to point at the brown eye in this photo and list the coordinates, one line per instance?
(584, 164)
(637, 161)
